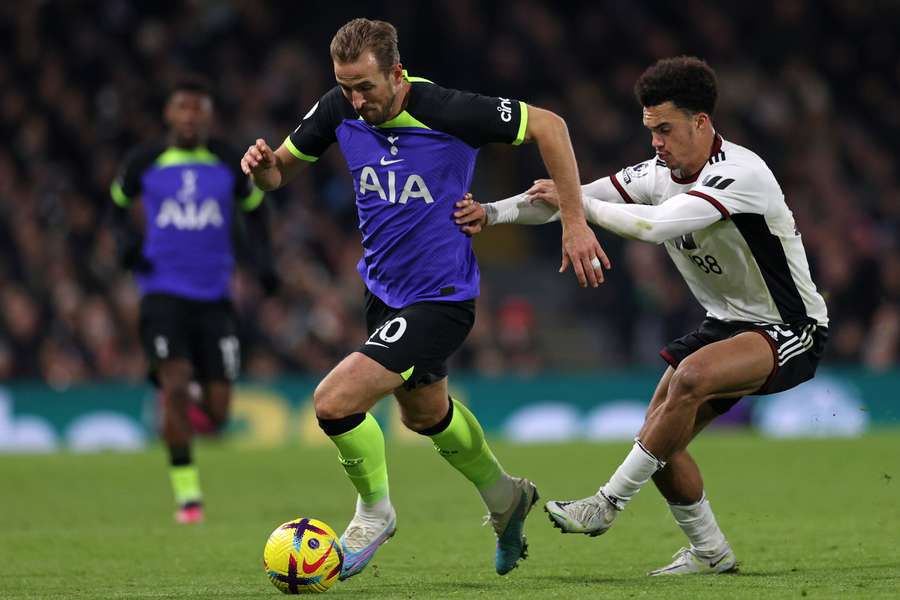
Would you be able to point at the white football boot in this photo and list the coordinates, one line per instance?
(362, 538)
(591, 516)
(688, 562)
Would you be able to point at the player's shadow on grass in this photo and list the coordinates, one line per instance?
(806, 571)
(544, 583)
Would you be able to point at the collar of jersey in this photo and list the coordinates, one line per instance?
(182, 156)
(716, 147)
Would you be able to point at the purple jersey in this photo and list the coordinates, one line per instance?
(408, 174)
(189, 198)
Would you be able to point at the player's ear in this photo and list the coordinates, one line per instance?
(701, 120)
(396, 73)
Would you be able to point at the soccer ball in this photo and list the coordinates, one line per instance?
(303, 556)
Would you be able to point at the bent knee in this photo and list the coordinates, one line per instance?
(332, 401)
(689, 384)
(175, 379)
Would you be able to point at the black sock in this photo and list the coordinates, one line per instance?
(180, 456)
(333, 427)
(441, 425)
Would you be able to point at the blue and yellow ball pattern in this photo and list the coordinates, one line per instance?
(303, 556)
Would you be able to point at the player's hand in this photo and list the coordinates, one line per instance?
(471, 216)
(545, 191)
(581, 249)
(258, 158)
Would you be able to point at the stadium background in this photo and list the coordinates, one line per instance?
(812, 87)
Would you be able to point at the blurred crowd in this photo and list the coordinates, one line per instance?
(812, 86)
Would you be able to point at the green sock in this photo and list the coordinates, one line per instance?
(462, 445)
(185, 483)
(361, 452)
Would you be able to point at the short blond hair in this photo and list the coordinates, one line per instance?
(360, 35)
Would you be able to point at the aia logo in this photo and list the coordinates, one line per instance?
(413, 187)
(184, 212)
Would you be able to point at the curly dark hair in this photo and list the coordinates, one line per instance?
(193, 83)
(687, 81)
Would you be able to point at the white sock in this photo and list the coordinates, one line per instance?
(377, 512)
(499, 496)
(699, 523)
(636, 470)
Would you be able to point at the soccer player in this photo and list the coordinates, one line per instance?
(195, 203)
(410, 146)
(723, 219)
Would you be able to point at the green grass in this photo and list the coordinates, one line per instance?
(816, 519)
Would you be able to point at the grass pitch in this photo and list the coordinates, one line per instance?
(814, 519)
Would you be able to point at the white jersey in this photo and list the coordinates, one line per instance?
(749, 266)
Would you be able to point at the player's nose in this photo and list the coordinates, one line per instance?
(357, 100)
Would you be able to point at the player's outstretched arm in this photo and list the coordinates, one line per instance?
(677, 216)
(580, 247)
(472, 216)
(270, 169)
(536, 206)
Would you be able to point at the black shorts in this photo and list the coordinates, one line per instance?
(796, 348)
(416, 341)
(205, 333)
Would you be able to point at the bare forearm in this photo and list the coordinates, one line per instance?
(552, 137)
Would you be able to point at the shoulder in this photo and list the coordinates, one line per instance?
(333, 104)
(645, 169)
(140, 157)
(737, 166)
(740, 158)
(427, 97)
(224, 150)
(476, 119)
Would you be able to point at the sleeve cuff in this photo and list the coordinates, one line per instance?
(296, 152)
(118, 195)
(252, 201)
(523, 124)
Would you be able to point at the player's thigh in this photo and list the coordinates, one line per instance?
(214, 342)
(175, 374)
(423, 406)
(162, 329)
(353, 386)
(729, 368)
(416, 341)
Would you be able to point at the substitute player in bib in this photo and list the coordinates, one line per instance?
(410, 146)
(194, 203)
(722, 217)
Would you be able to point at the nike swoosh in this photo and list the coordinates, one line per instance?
(713, 565)
(374, 344)
(315, 566)
(385, 163)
